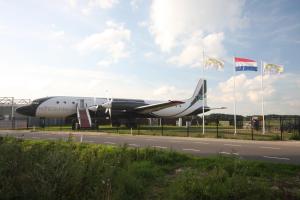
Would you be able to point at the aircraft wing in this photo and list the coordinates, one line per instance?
(156, 107)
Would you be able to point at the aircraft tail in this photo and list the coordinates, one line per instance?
(198, 93)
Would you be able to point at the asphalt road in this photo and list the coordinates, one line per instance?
(274, 151)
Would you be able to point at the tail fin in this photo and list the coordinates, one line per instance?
(198, 93)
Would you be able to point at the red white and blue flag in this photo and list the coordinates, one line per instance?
(244, 64)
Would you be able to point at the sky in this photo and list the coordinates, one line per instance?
(151, 50)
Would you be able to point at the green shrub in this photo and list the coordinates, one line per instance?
(295, 136)
(217, 184)
(69, 170)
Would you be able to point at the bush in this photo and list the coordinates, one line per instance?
(295, 136)
(69, 170)
(218, 184)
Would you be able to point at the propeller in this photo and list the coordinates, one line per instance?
(107, 105)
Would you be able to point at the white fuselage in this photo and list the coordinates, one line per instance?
(61, 107)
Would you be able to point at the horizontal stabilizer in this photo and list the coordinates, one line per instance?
(156, 107)
(218, 108)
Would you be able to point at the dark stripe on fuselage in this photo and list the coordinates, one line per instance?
(30, 110)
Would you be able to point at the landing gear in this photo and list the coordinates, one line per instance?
(115, 123)
(95, 125)
(131, 125)
(75, 124)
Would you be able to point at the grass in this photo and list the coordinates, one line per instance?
(31, 169)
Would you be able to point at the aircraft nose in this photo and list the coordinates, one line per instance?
(26, 110)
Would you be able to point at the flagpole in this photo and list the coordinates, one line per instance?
(203, 97)
(234, 106)
(262, 98)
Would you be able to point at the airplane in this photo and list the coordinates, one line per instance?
(84, 109)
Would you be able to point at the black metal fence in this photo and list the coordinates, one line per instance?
(276, 127)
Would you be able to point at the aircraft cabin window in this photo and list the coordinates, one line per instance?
(57, 102)
(73, 102)
(65, 102)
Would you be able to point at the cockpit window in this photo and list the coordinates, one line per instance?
(40, 100)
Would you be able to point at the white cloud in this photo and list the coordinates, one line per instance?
(105, 63)
(72, 3)
(168, 92)
(279, 95)
(148, 54)
(184, 28)
(39, 81)
(3, 29)
(172, 20)
(135, 3)
(163, 90)
(53, 32)
(143, 24)
(104, 4)
(113, 41)
(88, 6)
(192, 53)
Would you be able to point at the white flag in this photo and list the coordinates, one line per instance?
(214, 63)
(272, 68)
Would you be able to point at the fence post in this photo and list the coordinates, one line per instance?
(13, 123)
(60, 125)
(27, 120)
(281, 136)
(162, 126)
(299, 126)
(295, 126)
(217, 123)
(187, 130)
(252, 124)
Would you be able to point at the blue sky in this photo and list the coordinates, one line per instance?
(150, 49)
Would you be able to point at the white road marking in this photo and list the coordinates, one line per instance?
(233, 145)
(196, 150)
(109, 143)
(135, 145)
(128, 138)
(273, 157)
(223, 152)
(269, 147)
(159, 147)
(201, 143)
(150, 139)
(175, 141)
(228, 153)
